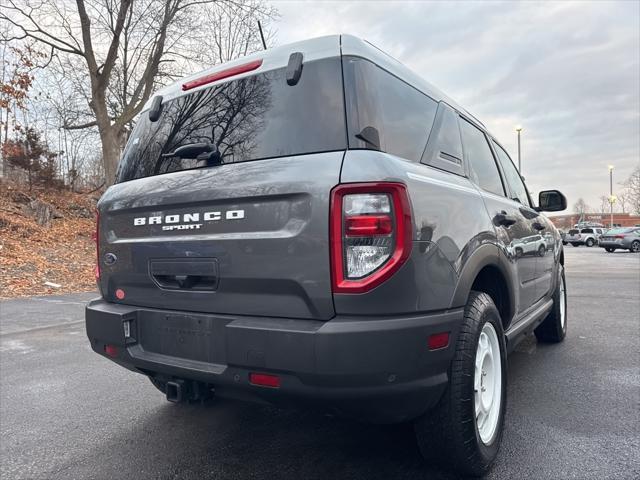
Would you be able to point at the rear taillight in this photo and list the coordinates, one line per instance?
(619, 236)
(96, 237)
(371, 234)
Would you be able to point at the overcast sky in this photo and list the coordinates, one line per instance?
(569, 73)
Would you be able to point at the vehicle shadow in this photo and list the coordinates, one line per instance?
(225, 439)
(231, 439)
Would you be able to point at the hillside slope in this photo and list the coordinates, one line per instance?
(61, 252)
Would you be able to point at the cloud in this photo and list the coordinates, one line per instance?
(568, 72)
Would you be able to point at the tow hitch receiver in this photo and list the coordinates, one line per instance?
(175, 391)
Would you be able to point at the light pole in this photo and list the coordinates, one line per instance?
(519, 129)
(611, 198)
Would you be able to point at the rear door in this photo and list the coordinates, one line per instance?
(513, 223)
(248, 236)
(547, 241)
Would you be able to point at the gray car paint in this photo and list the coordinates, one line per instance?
(273, 307)
(273, 262)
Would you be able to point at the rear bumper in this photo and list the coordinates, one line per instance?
(375, 369)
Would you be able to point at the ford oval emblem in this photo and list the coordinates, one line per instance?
(110, 258)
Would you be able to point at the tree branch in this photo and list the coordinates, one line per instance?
(36, 33)
(81, 126)
(115, 42)
(85, 26)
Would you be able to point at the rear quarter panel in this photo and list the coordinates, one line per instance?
(450, 225)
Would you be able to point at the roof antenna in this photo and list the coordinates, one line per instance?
(264, 44)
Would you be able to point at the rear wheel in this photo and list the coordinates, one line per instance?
(635, 246)
(610, 249)
(553, 329)
(590, 242)
(465, 428)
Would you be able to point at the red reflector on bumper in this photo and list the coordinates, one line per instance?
(264, 380)
(438, 340)
(111, 350)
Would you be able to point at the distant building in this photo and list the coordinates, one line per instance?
(568, 221)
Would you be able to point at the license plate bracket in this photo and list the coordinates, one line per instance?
(185, 336)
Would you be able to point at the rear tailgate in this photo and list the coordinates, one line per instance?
(246, 239)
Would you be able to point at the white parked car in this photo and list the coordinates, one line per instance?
(585, 236)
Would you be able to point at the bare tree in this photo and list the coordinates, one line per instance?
(581, 207)
(632, 190)
(604, 203)
(118, 51)
(624, 200)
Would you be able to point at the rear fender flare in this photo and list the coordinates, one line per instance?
(483, 256)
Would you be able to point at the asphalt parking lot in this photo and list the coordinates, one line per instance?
(573, 409)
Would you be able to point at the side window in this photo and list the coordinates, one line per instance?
(395, 115)
(513, 178)
(444, 149)
(484, 170)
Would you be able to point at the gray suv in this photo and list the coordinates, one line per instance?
(316, 225)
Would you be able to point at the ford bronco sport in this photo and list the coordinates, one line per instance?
(316, 225)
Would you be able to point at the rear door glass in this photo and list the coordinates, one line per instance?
(516, 185)
(252, 118)
(484, 171)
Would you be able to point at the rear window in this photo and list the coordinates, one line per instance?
(252, 118)
(399, 115)
(586, 230)
(573, 232)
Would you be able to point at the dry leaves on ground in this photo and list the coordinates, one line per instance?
(62, 253)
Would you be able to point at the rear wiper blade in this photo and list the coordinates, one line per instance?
(192, 150)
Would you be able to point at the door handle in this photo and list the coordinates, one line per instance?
(538, 226)
(505, 220)
(185, 274)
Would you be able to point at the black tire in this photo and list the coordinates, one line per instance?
(590, 242)
(448, 434)
(565, 243)
(575, 244)
(553, 329)
(541, 251)
(610, 249)
(635, 246)
(519, 252)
